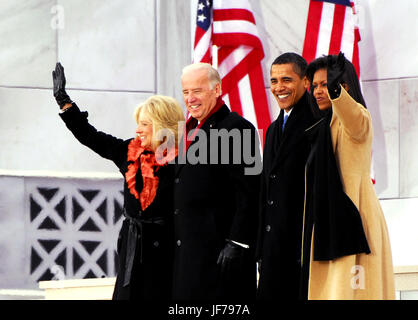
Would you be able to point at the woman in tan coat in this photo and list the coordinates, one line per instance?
(346, 250)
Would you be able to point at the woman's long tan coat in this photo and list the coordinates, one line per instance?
(361, 276)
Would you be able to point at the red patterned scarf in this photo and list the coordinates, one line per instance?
(149, 165)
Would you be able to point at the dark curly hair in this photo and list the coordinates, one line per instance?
(298, 62)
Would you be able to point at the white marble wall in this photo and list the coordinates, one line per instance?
(408, 132)
(27, 43)
(379, 94)
(281, 25)
(36, 138)
(174, 46)
(389, 30)
(115, 55)
(109, 45)
(402, 220)
(129, 51)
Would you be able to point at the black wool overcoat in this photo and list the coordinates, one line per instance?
(145, 239)
(214, 202)
(282, 204)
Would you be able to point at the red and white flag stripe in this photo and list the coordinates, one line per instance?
(233, 31)
(331, 28)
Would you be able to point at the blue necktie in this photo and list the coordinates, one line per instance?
(284, 121)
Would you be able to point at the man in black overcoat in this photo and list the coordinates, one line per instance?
(283, 183)
(216, 190)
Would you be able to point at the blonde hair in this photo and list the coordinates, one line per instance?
(213, 75)
(165, 113)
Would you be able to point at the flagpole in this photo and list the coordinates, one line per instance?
(215, 56)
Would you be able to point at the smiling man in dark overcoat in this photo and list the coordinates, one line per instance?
(216, 190)
(283, 184)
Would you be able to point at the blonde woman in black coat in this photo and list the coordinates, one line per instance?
(144, 243)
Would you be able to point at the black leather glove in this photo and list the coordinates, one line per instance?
(335, 71)
(230, 257)
(58, 78)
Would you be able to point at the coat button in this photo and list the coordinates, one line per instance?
(268, 228)
(273, 176)
(177, 211)
(270, 202)
(176, 180)
(156, 244)
(178, 243)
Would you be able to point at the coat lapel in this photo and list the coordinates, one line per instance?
(273, 146)
(293, 133)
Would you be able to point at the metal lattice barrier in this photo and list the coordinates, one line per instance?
(72, 228)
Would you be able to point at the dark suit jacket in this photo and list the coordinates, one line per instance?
(152, 259)
(282, 203)
(214, 202)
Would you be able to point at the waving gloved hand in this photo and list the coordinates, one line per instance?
(335, 71)
(58, 78)
(230, 257)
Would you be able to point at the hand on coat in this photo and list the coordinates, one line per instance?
(230, 257)
(335, 71)
(58, 78)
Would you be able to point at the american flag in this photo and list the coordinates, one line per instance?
(331, 27)
(230, 26)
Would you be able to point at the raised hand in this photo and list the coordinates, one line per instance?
(58, 78)
(335, 71)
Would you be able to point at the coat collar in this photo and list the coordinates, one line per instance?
(338, 226)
